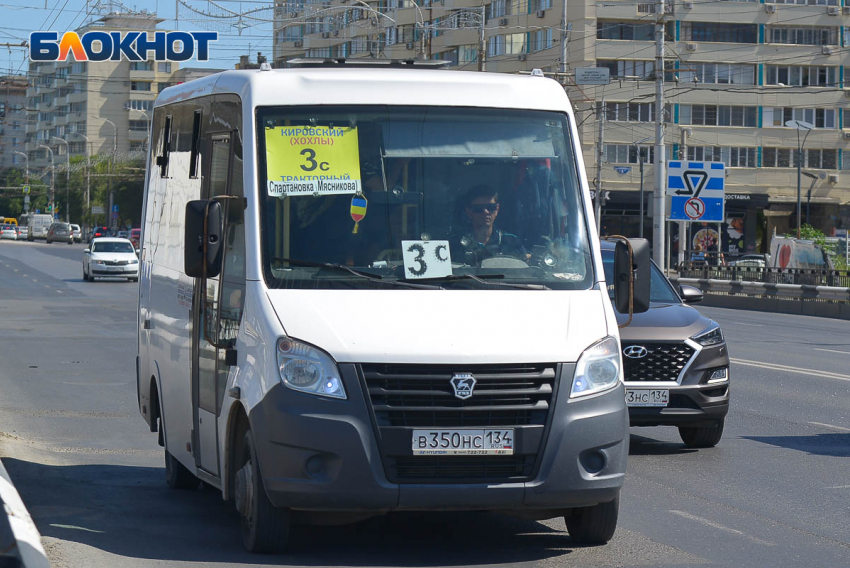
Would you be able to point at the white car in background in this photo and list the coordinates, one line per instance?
(110, 258)
(9, 232)
(76, 232)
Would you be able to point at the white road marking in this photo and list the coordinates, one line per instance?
(842, 428)
(16, 270)
(840, 487)
(749, 324)
(789, 369)
(831, 350)
(718, 526)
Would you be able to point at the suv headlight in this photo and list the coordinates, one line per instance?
(598, 368)
(307, 369)
(710, 336)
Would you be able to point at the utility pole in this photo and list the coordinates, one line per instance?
(564, 46)
(683, 226)
(659, 211)
(600, 156)
(482, 46)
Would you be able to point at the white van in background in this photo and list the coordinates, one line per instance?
(38, 225)
(366, 290)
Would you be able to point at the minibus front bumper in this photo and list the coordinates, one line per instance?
(318, 454)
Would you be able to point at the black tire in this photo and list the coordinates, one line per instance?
(705, 437)
(176, 474)
(132, 279)
(264, 527)
(85, 275)
(594, 525)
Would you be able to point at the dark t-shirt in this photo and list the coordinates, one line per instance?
(468, 250)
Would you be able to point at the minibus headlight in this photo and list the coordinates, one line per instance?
(307, 369)
(598, 368)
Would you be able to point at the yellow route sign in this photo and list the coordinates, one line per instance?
(312, 160)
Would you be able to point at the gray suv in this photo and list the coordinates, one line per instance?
(61, 232)
(675, 361)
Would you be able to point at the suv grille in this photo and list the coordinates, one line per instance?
(422, 396)
(663, 362)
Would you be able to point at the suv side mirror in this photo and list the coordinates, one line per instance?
(195, 263)
(689, 294)
(638, 266)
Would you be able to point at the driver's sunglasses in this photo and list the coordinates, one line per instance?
(490, 207)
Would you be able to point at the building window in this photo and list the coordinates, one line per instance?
(541, 39)
(78, 68)
(628, 112)
(731, 156)
(536, 5)
(467, 53)
(140, 85)
(138, 125)
(140, 104)
(819, 117)
(628, 154)
(141, 66)
(801, 76)
(711, 115)
(625, 30)
(712, 31)
(718, 73)
(499, 8)
(826, 159)
(164, 67)
(620, 68)
(803, 35)
(496, 45)
(805, 2)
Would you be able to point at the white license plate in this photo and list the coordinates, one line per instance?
(647, 397)
(115, 269)
(463, 442)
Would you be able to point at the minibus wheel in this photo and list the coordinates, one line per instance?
(593, 525)
(176, 474)
(265, 528)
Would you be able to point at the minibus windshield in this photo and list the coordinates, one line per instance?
(420, 193)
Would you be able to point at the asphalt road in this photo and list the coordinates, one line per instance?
(775, 492)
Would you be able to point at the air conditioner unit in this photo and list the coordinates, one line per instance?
(326, 34)
(293, 14)
(299, 43)
(541, 13)
(770, 8)
(826, 50)
(832, 10)
(688, 5)
(847, 135)
(691, 47)
(832, 178)
(503, 21)
(409, 45)
(522, 57)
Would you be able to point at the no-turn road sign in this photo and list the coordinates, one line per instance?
(694, 208)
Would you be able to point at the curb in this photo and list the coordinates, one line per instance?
(20, 541)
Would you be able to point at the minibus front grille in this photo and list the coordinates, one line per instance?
(465, 468)
(662, 362)
(423, 395)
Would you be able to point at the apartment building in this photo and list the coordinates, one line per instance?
(13, 120)
(735, 73)
(96, 107)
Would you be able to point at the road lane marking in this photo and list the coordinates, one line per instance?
(76, 528)
(718, 526)
(750, 324)
(789, 369)
(843, 429)
(16, 270)
(840, 487)
(831, 350)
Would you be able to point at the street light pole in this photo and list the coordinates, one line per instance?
(88, 172)
(808, 127)
(111, 168)
(640, 156)
(67, 177)
(52, 202)
(814, 179)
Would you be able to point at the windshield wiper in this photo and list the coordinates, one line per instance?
(481, 280)
(354, 271)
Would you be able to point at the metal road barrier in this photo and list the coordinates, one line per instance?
(799, 276)
(20, 542)
(788, 291)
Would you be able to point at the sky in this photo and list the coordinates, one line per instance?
(20, 17)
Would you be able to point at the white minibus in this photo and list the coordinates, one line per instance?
(367, 290)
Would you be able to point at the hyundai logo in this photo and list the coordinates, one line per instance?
(635, 352)
(463, 384)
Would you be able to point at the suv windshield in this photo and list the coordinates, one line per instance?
(420, 192)
(660, 289)
(112, 247)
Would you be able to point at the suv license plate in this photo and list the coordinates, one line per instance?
(647, 397)
(463, 442)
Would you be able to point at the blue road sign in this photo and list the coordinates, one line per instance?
(696, 191)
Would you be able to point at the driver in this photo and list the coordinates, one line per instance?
(484, 240)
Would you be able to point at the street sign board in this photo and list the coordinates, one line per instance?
(593, 76)
(697, 191)
(622, 170)
(97, 209)
(26, 190)
(115, 209)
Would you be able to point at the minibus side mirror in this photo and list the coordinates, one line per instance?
(639, 266)
(197, 264)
